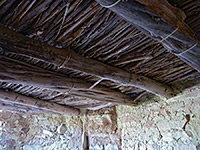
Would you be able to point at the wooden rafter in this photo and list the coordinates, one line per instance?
(15, 43)
(164, 23)
(17, 73)
(33, 105)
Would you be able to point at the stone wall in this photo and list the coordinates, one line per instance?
(103, 130)
(172, 124)
(48, 132)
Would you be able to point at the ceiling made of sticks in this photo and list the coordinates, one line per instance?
(97, 33)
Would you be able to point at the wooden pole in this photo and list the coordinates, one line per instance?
(16, 43)
(37, 105)
(17, 73)
(164, 23)
(7, 106)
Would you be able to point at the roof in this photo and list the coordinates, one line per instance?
(97, 33)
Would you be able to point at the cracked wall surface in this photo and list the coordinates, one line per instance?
(103, 130)
(48, 132)
(172, 124)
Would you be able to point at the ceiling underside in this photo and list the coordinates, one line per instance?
(97, 33)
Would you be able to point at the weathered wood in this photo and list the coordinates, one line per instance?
(134, 59)
(38, 105)
(164, 23)
(13, 72)
(15, 43)
(170, 13)
(7, 106)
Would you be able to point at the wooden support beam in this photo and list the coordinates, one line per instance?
(16, 43)
(34, 105)
(169, 13)
(7, 106)
(164, 23)
(15, 72)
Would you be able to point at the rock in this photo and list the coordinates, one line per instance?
(62, 129)
(47, 132)
(25, 130)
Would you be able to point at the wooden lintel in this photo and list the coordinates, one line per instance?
(30, 104)
(16, 43)
(164, 23)
(14, 72)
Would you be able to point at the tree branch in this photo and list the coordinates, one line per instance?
(158, 19)
(33, 105)
(17, 73)
(16, 43)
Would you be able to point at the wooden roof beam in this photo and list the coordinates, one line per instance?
(28, 104)
(20, 73)
(16, 43)
(163, 22)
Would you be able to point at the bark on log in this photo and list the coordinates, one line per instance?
(37, 105)
(12, 42)
(146, 16)
(7, 106)
(11, 71)
(169, 13)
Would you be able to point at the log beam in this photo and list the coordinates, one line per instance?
(34, 105)
(16, 43)
(164, 23)
(7, 106)
(14, 72)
